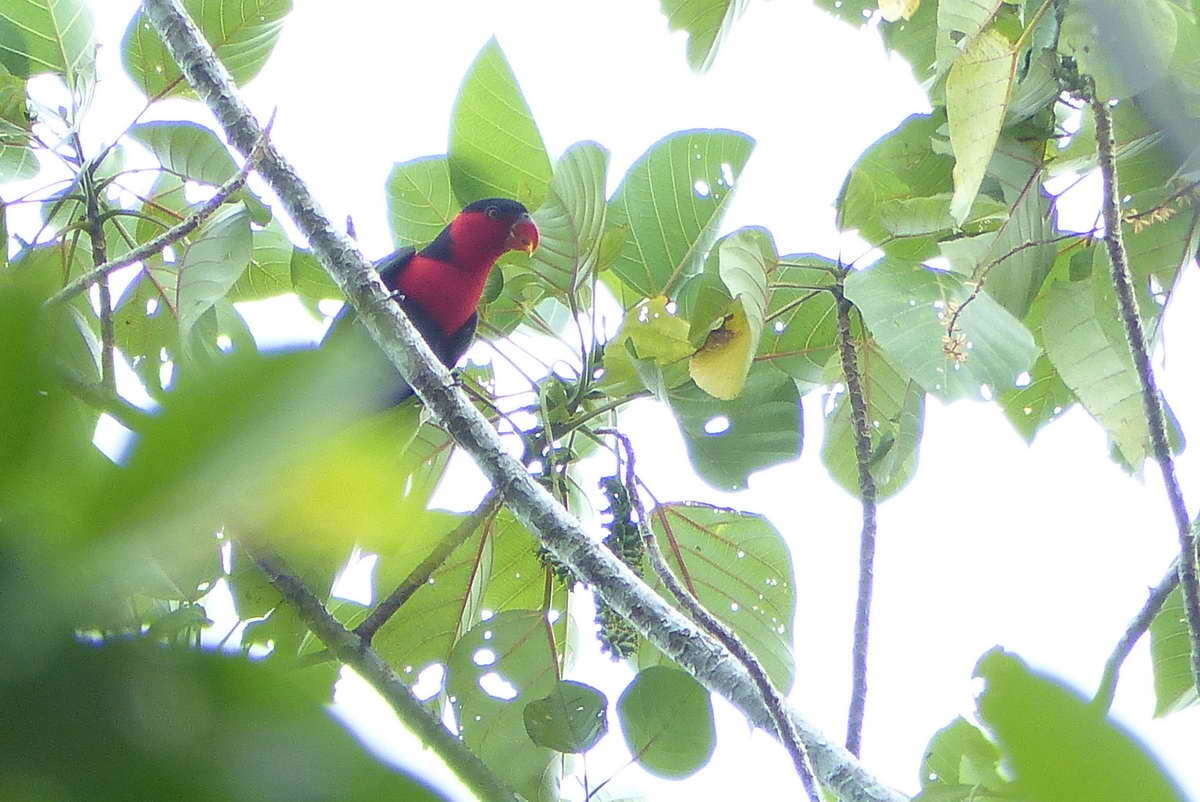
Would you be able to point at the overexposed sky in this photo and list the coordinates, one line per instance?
(1047, 550)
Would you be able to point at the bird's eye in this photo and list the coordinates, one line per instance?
(493, 212)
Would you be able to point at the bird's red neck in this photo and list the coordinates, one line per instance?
(447, 277)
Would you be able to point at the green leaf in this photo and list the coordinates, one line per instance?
(129, 721)
(908, 309)
(1096, 35)
(495, 146)
(915, 39)
(977, 92)
(671, 202)
(188, 149)
(513, 648)
(959, 22)
(1059, 746)
(1171, 652)
(707, 23)
(650, 333)
(17, 163)
(242, 32)
(420, 200)
(800, 334)
(1037, 402)
(572, 219)
(728, 440)
(38, 36)
(895, 417)
(572, 719)
(740, 568)
(15, 120)
(959, 754)
(667, 720)
(212, 262)
(269, 271)
(1094, 361)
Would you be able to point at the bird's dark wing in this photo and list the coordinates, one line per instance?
(457, 343)
(390, 268)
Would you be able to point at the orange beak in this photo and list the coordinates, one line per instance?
(523, 236)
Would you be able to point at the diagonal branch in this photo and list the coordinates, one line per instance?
(672, 632)
(1137, 627)
(419, 576)
(867, 493)
(354, 652)
(1151, 402)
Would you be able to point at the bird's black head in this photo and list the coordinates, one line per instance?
(501, 208)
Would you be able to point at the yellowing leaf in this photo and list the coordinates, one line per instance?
(893, 10)
(721, 364)
(977, 93)
(651, 333)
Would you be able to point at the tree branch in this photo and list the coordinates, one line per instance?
(1152, 405)
(867, 493)
(168, 237)
(1138, 627)
(771, 696)
(354, 652)
(420, 575)
(672, 632)
(95, 230)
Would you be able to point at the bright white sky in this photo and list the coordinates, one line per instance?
(1047, 550)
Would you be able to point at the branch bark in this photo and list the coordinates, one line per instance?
(354, 652)
(672, 632)
(866, 551)
(1138, 627)
(1151, 403)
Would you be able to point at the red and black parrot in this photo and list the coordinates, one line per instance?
(439, 286)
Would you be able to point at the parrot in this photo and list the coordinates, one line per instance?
(439, 286)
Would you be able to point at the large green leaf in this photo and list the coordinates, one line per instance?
(1089, 351)
(188, 149)
(728, 440)
(667, 720)
(573, 718)
(959, 754)
(707, 22)
(572, 219)
(671, 203)
(977, 92)
(420, 200)
(740, 568)
(895, 418)
(1058, 746)
(1171, 651)
(909, 309)
(213, 260)
(1096, 34)
(801, 324)
(514, 648)
(1039, 398)
(495, 146)
(139, 721)
(242, 32)
(38, 36)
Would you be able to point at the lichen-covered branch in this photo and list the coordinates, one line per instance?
(1151, 403)
(668, 629)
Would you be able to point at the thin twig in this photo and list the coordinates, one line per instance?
(95, 229)
(717, 628)
(419, 576)
(867, 493)
(1151, 402)
(171, 235)
(104, 399)
(1138, 627)
(356, 653)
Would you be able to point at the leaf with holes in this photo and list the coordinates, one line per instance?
(977, 92)
(909, 309)
(38, 36)
(494, 671)
(1038, 401)
(420, 200)
(707, 23)
(572, 719)
(650, 332)
(728, 440)
(1171, 652)
(572, 219)
(800, 334)
(242, 32)
(895, 418)
(1056, 744)
(670, 204)
(667, 720)
(495, 146)
(187, 149)
(1094, 361)
(740, 568)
